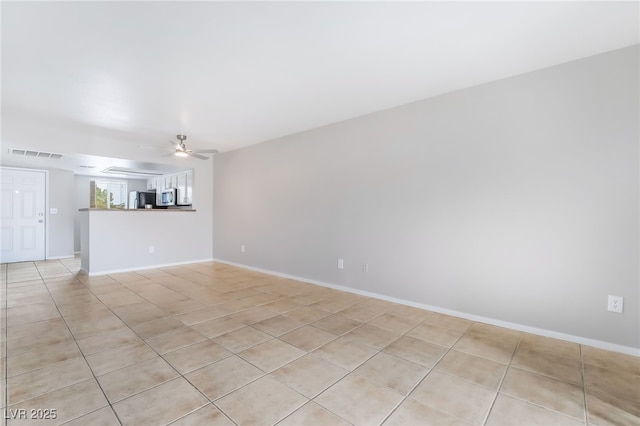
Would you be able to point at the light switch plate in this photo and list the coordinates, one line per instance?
(53, 210)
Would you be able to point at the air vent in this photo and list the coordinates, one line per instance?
(38, 154)
(132, 172)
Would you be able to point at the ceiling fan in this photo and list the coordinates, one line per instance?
(182, 151)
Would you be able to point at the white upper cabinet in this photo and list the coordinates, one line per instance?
(184, 185)
(181, 186)
(182, 181)
(190, 187)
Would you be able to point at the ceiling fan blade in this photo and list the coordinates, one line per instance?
(201, 157)
(174, 144)
(206, 151)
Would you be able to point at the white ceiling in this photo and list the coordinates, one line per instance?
(235, 74)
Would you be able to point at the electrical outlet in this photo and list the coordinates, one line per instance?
(340, 263)
(152, 249)
(242, 248)
(615, 304)
(365, 267)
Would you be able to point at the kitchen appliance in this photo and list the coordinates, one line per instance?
(172, 197)
(139, 199)
(167, 197)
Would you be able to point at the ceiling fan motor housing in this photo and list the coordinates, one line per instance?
(181, 149)
(182, 138)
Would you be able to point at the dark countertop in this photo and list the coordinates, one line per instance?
(136, 210)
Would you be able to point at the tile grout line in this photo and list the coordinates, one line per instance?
(504, 375)
(78, 346)
(312, 399)
(5, 344)
(265, 374)
(543, 407)
(269, 373)
(536, 404)
(584, 388)
(428, 372)
(150, 347)
(255, 380)
(508, 368)
(180, 375)
(405, 334)
(159, 355)
(307, 353)
(248, 325)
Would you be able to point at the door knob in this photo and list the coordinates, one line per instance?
(40, 214)
(40, 221)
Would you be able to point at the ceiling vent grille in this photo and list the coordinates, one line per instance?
(39, 154)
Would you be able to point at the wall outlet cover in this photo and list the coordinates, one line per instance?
(615, 304)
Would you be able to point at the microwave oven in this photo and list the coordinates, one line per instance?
(167, 197)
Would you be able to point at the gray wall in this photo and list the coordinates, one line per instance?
(81, 198)
(515, 200)
(60, 226)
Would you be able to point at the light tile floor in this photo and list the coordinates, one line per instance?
(210, 344)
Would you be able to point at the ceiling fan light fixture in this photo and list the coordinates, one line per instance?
(180, 149)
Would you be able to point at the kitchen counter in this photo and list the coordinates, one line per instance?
(137, 210)
(120, 241)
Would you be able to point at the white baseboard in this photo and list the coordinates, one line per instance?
(69, 256)
(142, 268)
(505, 324)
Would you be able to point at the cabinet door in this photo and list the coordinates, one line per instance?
(159, 182)
(189, 191)
(181, 186)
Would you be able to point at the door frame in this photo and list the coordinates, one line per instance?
(46, 202)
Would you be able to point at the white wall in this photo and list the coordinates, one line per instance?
(60, 225)
(515, 200)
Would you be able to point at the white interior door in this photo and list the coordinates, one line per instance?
(22, 218)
